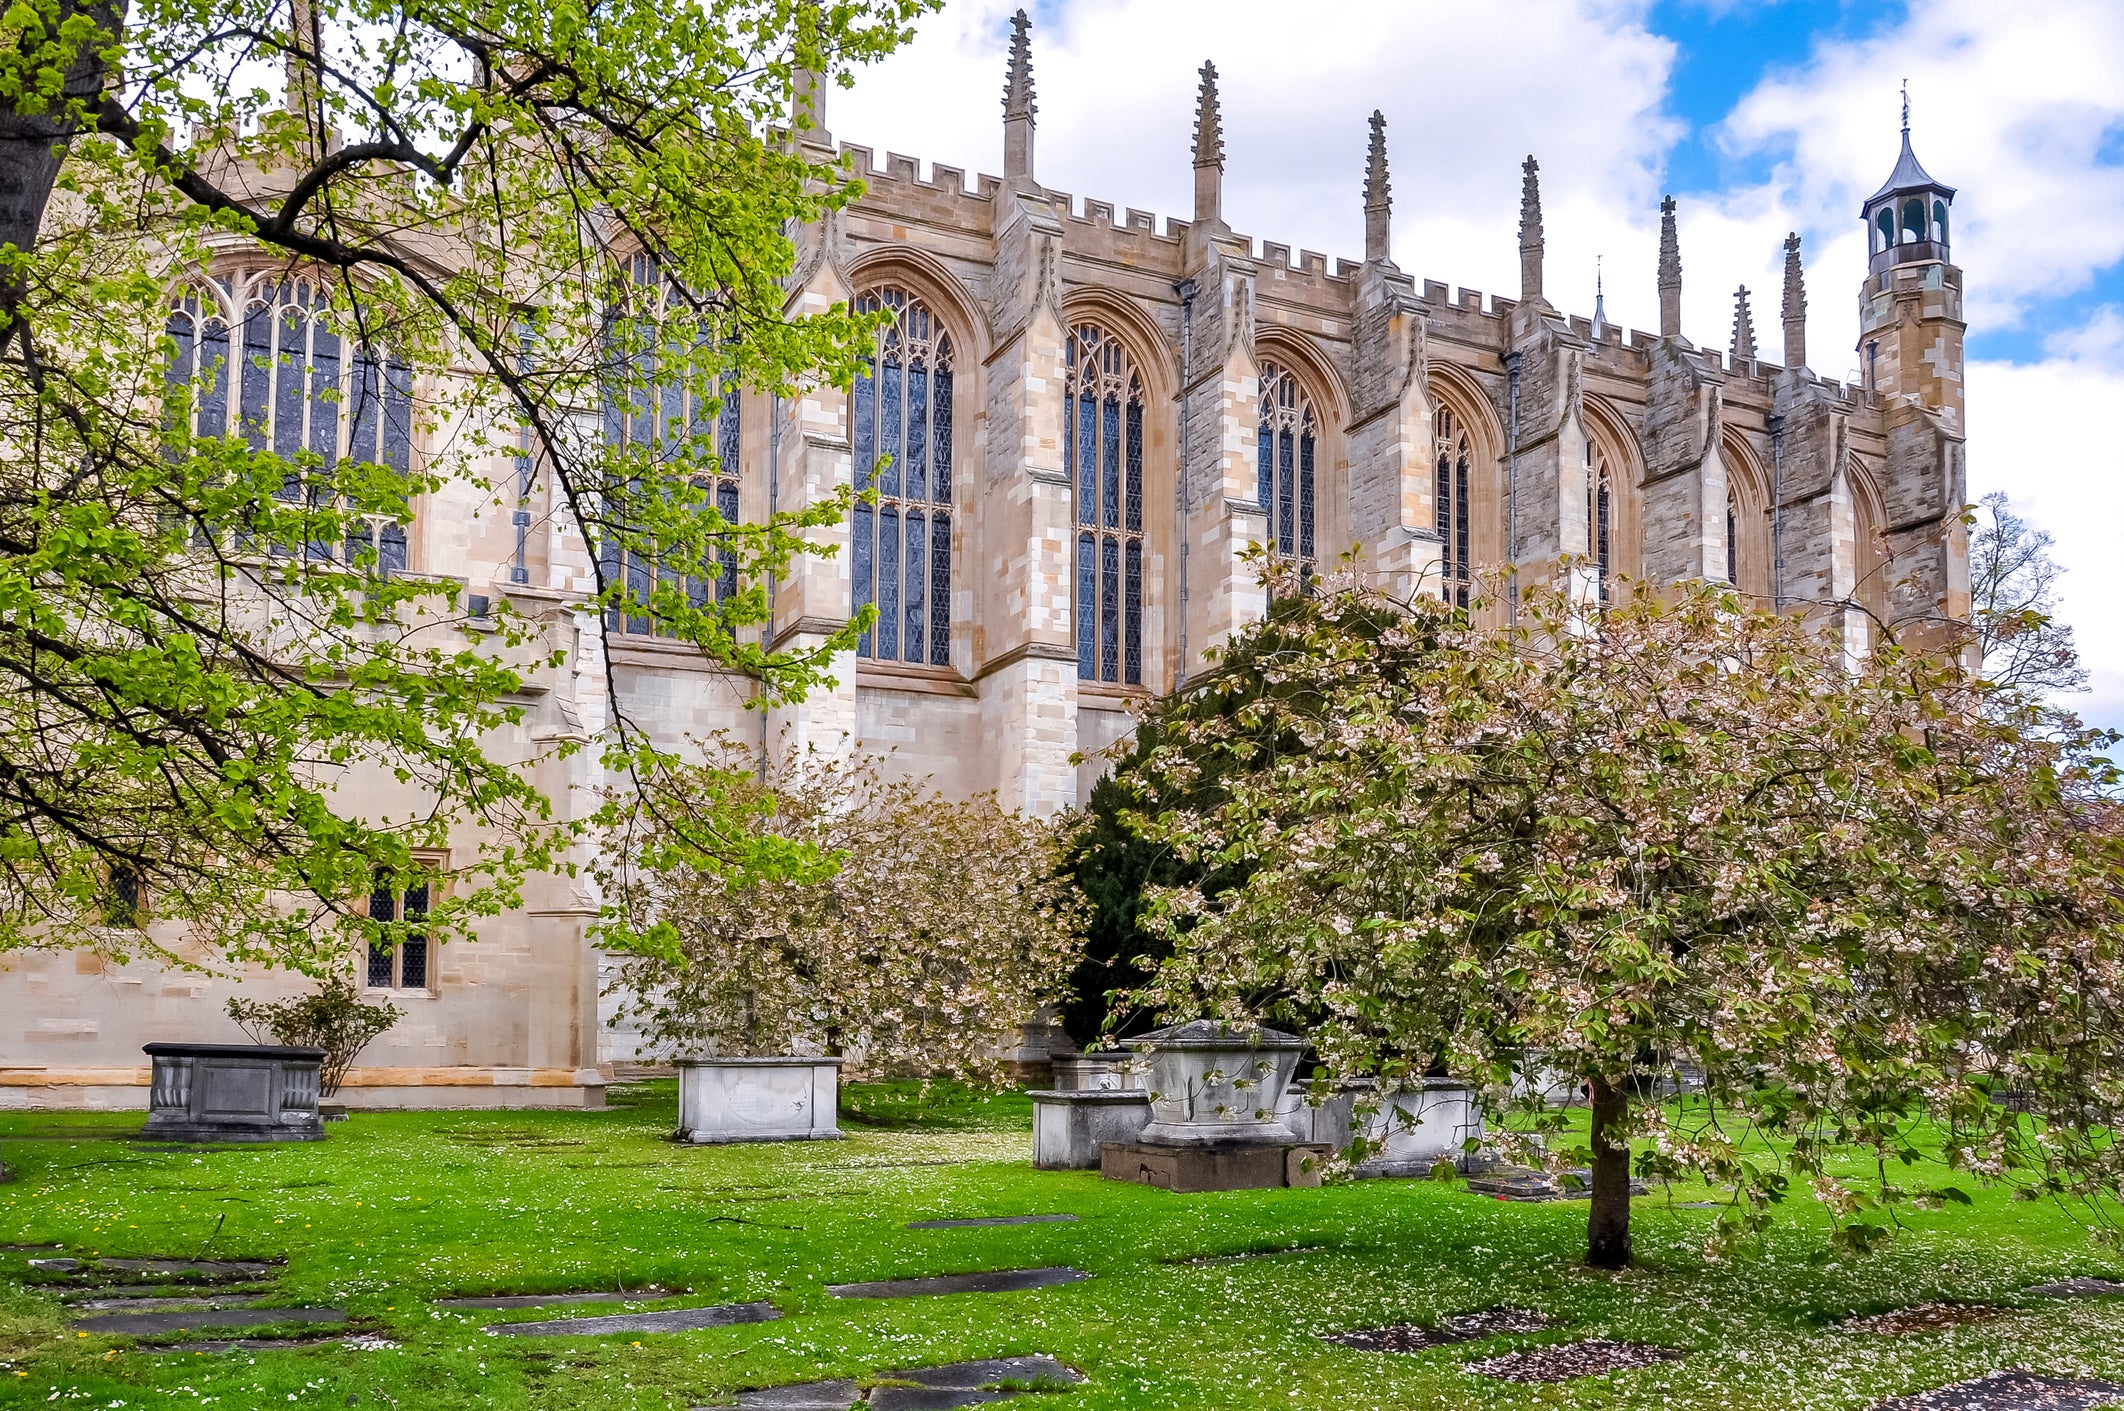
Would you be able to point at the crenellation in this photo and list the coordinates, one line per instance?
(1099, 213)
(951, 179)
(1469, 299)
(1314, 263)
(859, 161)
(1145, 221)
(900, 167)
(1274, 256)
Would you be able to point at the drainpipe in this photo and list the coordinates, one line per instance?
(1777, 513)
(1512, 482)
(1181, 508)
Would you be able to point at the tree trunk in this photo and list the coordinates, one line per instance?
(1608, 1221)
(33, 144)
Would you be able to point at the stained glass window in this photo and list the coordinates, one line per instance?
(1456, 577)
(660, 406)
(1285, 451)
(264, 357)
(1732, 542)
(1102, 447)
(1600, 518)
(900, 418)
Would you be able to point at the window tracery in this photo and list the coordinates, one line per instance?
(264, 356)
(901, 423)
(1286, 446)
(1455, 454)
(654, 404)
(1102, 439)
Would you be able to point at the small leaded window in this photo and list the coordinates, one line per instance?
(1102, 438)
(657, 406)
(1732, 542)
(1284, 460)
(1600, 519)
(403, 966)
(284, 376)
(1454, 456)
(901, 423)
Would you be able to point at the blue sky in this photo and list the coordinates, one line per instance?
(1760, 116)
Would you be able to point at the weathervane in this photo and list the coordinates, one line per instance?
(1906, 107)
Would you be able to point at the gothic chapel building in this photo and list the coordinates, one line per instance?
(1077, 423)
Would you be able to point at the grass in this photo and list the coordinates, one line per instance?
(399, 1209)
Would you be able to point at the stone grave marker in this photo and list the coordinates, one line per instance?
(918, 1389)
(673, 1320)
(150, 1324)
(2082, 1287)
(1459, 1327)
(991, 1281)
(2011, 1390)
(1565, 1361)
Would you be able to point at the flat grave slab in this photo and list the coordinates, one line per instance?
(1567, 1360)
(139, 1303)
(960, 1384)
(673, 1320)
(992, 1281)
(550, 1300)
(195, 1271)
(1460, 1327)
(138, 1324)
(84, 1293)
(2083, 1287)
(2011, 1391)
(987, 1220)
(1924, 1318)
(1240, 1256)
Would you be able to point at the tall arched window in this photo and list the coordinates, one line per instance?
(901, 419)
(657, 404)
(1732, 541)
(1284, 463)
(284, 376)
(1454, 456)
(1600, 518)
(1102, 437)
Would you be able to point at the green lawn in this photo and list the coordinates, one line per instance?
(399, 1209)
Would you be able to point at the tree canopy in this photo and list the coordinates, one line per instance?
(523, 224)
(1857, 907)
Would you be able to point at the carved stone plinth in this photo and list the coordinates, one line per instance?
(1070, 1126)
(1233, 1166)
(759, 1099)
(233, 1093)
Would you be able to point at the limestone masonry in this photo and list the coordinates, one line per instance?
(1090, 416)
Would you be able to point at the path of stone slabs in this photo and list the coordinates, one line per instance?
(157, 1299)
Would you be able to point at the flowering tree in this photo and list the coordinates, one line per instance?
(850, 914)
(1859, 903)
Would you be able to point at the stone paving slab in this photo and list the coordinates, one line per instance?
(2083, 1287)
(150, 1304)
(549, 1300)
(674, 1320)
(2011, 1391)
(993, 1281)
(137, 1324)
(83, 1293)
(194, 1270)
(991, 1220)
(933, 1388)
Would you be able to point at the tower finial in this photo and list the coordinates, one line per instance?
(1743, 327)
(1018, 105)
(1669, 272)
(1795, 305)
(1530, 241)
(1378, 197)
(1209, 150)
(1600, 301)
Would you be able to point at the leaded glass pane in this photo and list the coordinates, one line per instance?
(1284, 463)
(1103, 450)
(901, 414)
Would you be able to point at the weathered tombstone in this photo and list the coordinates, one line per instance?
(758, 1099)
(1098, 1070)
(1069, 1127)
(1429, 1121)
(233, 1093)
(1216, 1097)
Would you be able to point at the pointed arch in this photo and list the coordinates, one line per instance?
(1615, 472)
(1870, 558)
(1466, 486)
(1300, 392)
(1748, 545)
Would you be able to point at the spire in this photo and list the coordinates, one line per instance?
(1743, 328)
(1209, 151)
(1601, 326)
(1018, 106)
(1795, 305)
(807, 95)
(1530, 244)
(1378, 198)
(1906, 220)
(1669, 272)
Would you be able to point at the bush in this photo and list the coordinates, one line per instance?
(334, 1019)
